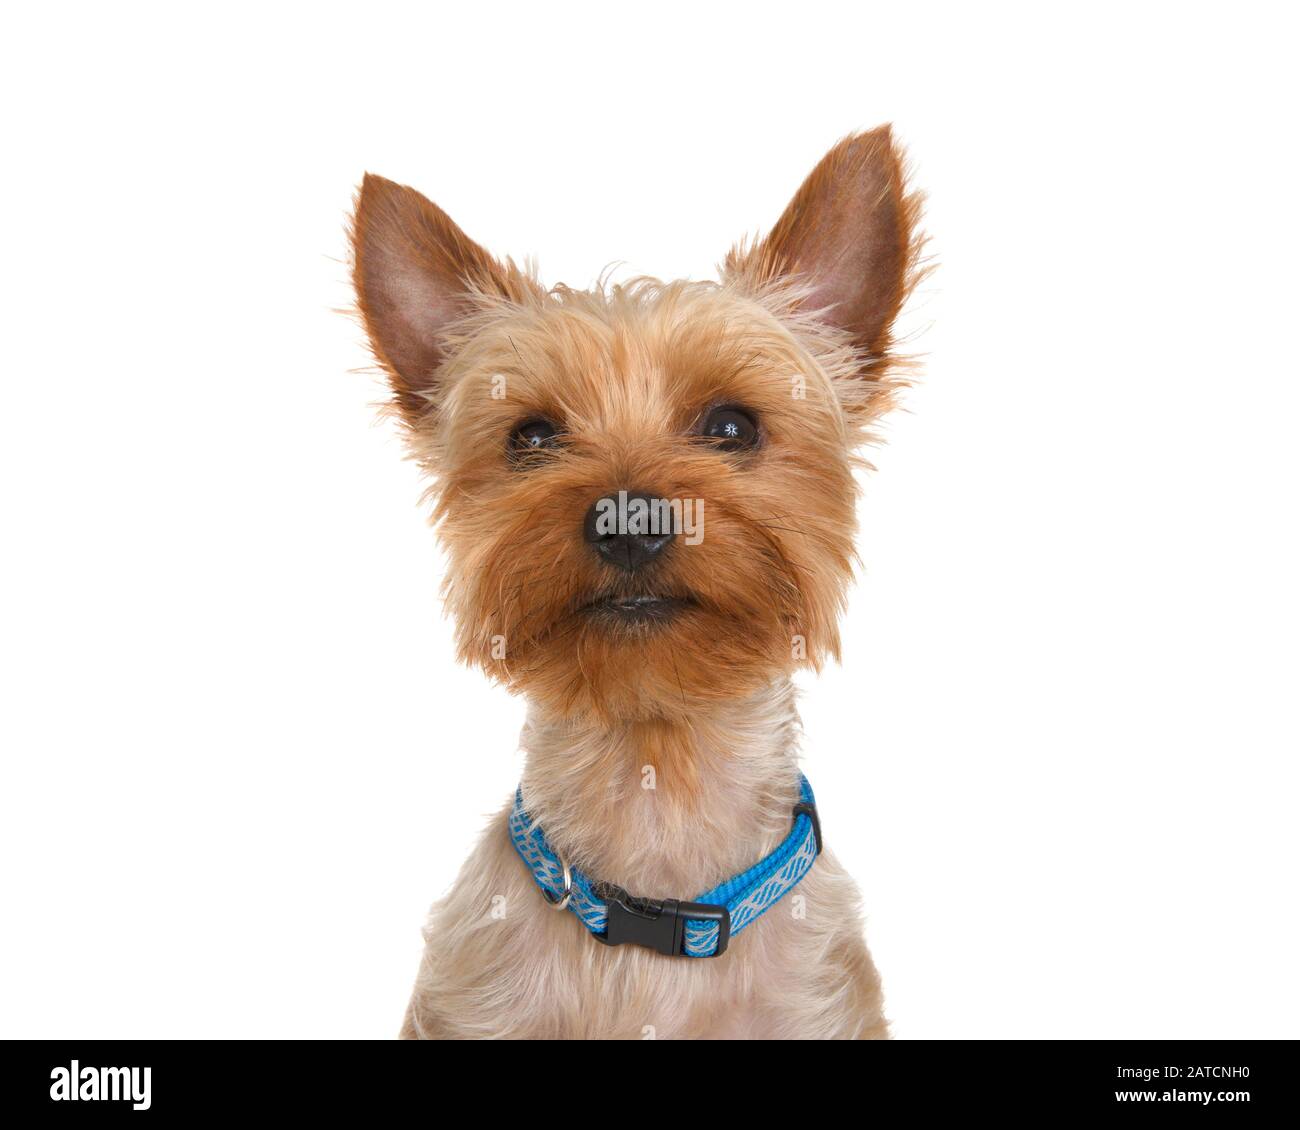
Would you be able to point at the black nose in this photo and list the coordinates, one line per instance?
(629, 529)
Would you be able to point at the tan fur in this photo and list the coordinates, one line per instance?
(799, 333)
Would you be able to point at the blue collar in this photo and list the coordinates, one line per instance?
(689, 929)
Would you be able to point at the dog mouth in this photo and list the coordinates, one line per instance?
(639, 609)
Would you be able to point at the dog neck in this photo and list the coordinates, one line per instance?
(666, 808)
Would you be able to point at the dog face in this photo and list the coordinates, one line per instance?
(646, 491)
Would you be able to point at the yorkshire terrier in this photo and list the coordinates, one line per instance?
(647, 495)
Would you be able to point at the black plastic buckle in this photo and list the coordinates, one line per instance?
(657, 925)
(810, 810)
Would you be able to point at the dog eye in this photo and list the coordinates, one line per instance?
(733, 429)
(532, 435)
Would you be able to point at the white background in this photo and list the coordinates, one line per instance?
(1060, 755)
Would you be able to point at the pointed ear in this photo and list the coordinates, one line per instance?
(415, 274)
(849, 235)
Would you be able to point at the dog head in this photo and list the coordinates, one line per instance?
(646, 491)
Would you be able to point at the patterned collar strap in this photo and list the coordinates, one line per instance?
(689, 929)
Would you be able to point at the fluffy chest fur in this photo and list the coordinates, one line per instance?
(529, 972)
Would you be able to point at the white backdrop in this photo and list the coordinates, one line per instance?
(1060, 755)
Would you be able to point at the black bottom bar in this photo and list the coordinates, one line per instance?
(1235, 1079)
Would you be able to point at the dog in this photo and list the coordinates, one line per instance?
(567, 435)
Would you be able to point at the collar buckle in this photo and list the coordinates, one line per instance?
(657, 925)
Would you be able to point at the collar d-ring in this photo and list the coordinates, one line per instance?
(562, 900)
